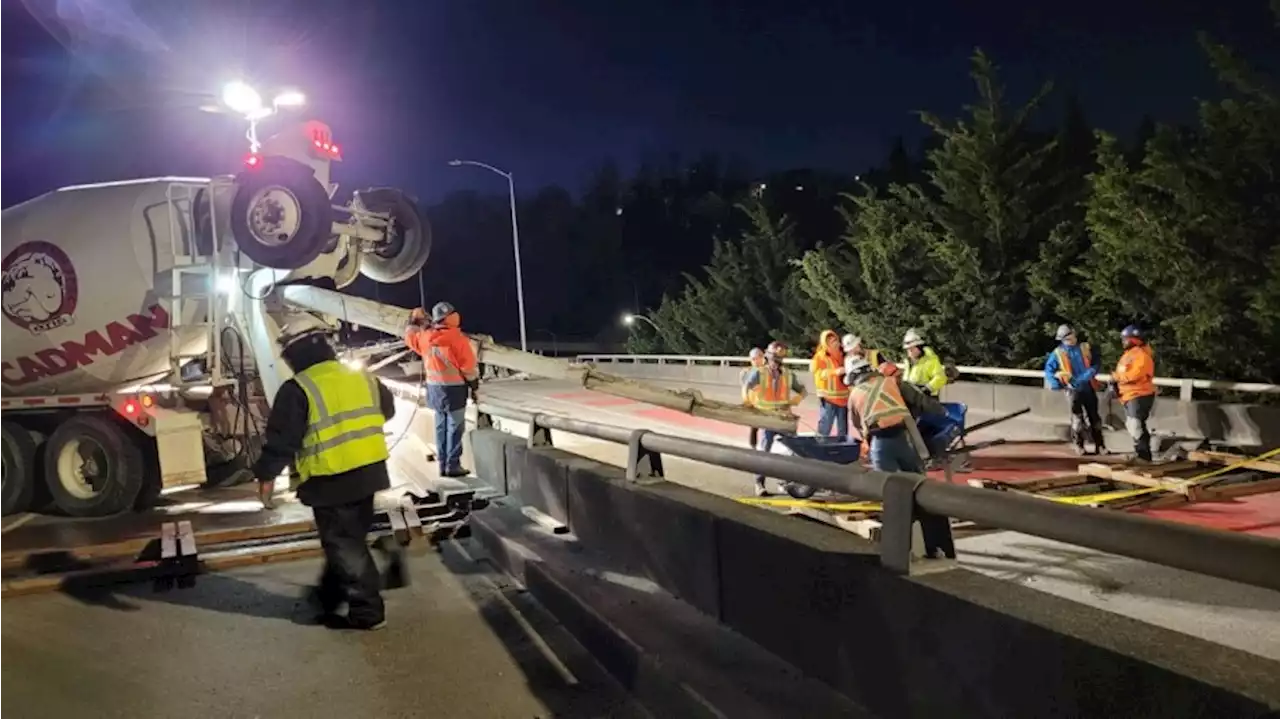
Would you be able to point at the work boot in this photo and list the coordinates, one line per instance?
(456, 472)
(1080, 450)
(320, 606)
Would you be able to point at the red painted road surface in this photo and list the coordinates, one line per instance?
(1259, 514)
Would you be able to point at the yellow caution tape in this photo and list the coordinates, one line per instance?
(824, 505)
(1105, 497)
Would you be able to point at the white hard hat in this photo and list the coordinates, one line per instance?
(302, 326)
(855, 367)
(849, 341)
(1063, 332)
(912, 338)
(755, 353)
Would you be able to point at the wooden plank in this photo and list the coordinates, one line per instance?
(1226, 459)
(1095, 469)
(1142, 480)
(186, 538)
(168, 540)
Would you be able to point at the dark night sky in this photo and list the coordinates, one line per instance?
(549, 89)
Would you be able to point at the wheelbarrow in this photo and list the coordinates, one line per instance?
(949, 432)
(812, 446)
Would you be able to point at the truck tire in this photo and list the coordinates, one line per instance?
(149, 494)
(19, 480)
(408, 245)
(93, 467)
(281, 216)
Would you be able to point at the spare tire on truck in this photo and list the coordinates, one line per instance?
(94, 466)
(408, 243)
(281, 216)
(18, 483)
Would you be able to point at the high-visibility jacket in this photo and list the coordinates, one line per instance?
(749, 395)
(879, 404)
(928, 371)
(1067, 363)
(828, 372)
(774, 392)
(1135, 374)
(449, 362)
(344, 421)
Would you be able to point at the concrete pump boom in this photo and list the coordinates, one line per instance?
(392, 320)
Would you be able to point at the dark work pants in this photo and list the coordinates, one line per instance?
(754, 438)
(1136, 412)
(1085, 420)
(350, 573)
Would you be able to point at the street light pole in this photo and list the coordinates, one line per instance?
(515, 241)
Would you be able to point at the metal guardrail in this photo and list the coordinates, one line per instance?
(1186, 386)
(908, 498)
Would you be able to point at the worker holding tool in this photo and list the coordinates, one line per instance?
(1134, 378)
(776, 389)
(853, 347)
(1073, 368)
(924, 367)
(827, 367)
(882, 413)
(756, 356)
(451, 374)
(327, 420)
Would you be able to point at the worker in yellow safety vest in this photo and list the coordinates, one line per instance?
(827, 367)
(777, 389)
(328, 422)
(756, 357)
(924, 367)
(882, 413)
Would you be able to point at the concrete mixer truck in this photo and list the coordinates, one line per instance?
(140, 317)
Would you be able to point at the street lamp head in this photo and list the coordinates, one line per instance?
(628, 319)
(241, 98)
(455, 163)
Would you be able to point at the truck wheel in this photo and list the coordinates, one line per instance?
(408, 243)
(19, 475)
(93, 467)
(280, 215)
(149, 494)
(800, 491)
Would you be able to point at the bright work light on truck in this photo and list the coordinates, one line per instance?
(241, 98)
(289, 98)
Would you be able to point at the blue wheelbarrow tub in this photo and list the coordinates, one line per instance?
(823, 449)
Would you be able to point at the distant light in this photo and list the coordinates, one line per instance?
(618, 212)
(455, 163)
(241, 98)
(290, 98)
(226, 284)
(334, 149)
(628, 319)
(799, 188)
(253, 161)
(764, 186)
(857, 178)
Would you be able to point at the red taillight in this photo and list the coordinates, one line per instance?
(253, 161)
(334, 149)
(130, 408)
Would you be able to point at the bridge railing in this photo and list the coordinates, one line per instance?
(908, 499)
(1186, 386)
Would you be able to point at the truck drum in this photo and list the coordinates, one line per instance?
(280, 215)
(19, 482)
(408, 243)
(93, 466)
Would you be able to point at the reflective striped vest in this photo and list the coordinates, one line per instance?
(774, 393)
(344, 421)
(828, 376)
(1064, 364)
(441, 370)
(749, 395)
(879, 403)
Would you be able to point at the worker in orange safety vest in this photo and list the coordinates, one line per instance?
(1072, 367)
(777, 389)
(451, 374)
(827, 367)
(882, 414)
(1134, 378)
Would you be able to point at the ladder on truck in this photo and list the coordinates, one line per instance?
(195, 277)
